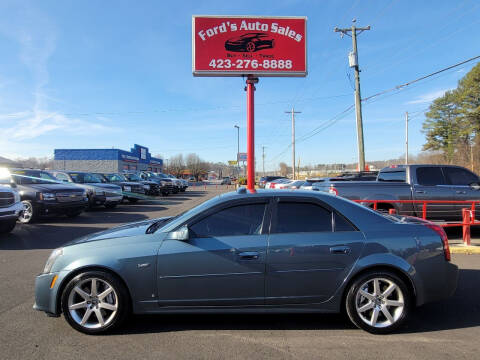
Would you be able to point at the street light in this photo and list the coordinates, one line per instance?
(238, 149)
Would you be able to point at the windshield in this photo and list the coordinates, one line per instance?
(115, 177)
(25, 177)
(133, 177)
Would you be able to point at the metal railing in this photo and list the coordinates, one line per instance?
(467, 212)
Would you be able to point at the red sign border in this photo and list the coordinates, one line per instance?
(232, 73)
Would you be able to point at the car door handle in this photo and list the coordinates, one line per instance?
(340, 250)
(248, 255)
(420, 191)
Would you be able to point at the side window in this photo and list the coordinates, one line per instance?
(458, 176)
(237, 220)
(293, 217)
(342, 224)
(430, 176)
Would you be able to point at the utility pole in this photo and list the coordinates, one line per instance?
(406, 138)
(263, 160)
(238, 149)
(353, 61)
(293, 112)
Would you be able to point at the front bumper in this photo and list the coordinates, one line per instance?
(46, 208)
(113, 199)
(11, 212)
(46, 297)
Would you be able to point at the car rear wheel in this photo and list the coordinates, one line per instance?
(95, 302)
(378, 302)
(28, 214)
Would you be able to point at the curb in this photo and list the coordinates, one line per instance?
(462, 249)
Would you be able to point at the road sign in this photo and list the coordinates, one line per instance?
(232, 162)
(242, 156)
(249, 45)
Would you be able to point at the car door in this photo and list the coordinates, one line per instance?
(223, 261)
(460, 179)
(311, 249)
(430, 184)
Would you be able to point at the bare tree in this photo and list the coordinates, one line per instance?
(284, 169)
(176, 165)
(36, 163)
(196, 165)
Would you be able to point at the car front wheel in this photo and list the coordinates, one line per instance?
(95, 302)
(378, 302)
(29, 213)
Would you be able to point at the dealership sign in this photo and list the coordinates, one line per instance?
(247, 45)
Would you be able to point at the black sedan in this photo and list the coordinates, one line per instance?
(250, 42)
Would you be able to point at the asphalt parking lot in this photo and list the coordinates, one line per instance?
(435, 331)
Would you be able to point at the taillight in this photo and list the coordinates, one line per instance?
(439, 230)
(272, 185)
(333, 190)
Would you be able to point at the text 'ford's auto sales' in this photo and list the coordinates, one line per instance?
(226, 46)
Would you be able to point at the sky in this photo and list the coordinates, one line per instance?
(103, 74)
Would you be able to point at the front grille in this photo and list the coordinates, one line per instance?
(107, 193)
(69, 197)
(6, 199)
(137, 189)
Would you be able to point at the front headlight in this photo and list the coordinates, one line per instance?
(51, 260)
(146, 187)
(47, 196)
(16, 197)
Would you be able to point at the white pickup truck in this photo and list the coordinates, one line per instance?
(10, 206)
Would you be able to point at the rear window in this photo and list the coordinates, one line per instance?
(430, 176)
(399, 176)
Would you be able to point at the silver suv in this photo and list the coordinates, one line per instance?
(10, 205)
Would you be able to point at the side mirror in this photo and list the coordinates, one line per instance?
(475, 186)
(13, 184)
(182, 234)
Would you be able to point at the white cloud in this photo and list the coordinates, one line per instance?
(428, 97)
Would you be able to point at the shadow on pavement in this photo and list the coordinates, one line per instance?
(460, 311)
(42, 236)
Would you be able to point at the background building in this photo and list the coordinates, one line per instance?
(106, 160)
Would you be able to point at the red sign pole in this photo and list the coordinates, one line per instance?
(251, 81)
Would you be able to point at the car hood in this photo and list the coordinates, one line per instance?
(123, 231)
(106, 186)
(52, 187)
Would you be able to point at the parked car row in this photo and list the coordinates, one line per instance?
(26, 194)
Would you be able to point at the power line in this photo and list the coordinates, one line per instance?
(398, 87)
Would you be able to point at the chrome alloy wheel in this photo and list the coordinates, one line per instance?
(379, 302)
(26, 214)
(93, 303)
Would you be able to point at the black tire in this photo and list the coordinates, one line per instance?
(119, 295)
(111, 206)
(132, 200)
(73, 214)
(380, 304)
(250, 46)
(7, 226)
(29, 214)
